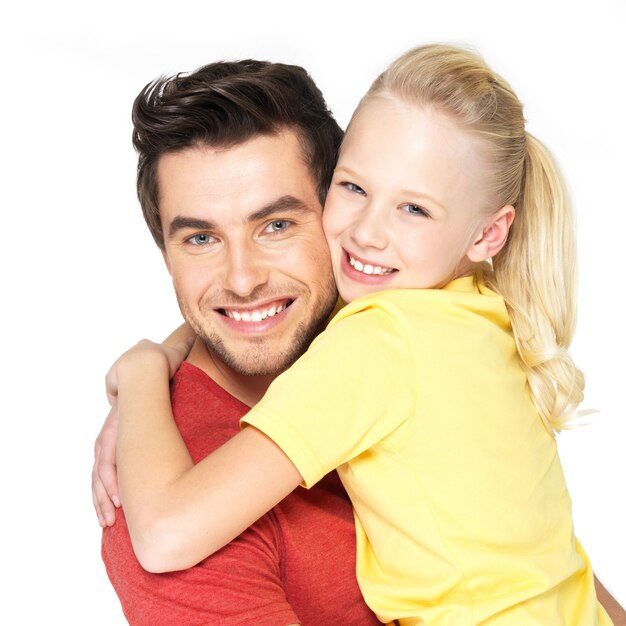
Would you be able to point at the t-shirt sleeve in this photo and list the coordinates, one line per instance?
(352, 388)
(240, 584)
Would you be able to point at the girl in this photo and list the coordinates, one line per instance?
(435, 392)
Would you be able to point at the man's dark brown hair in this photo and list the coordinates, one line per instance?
(225, 104)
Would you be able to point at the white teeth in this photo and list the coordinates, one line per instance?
(368, 268)
(254, 316)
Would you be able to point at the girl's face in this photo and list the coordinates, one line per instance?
(406, 202)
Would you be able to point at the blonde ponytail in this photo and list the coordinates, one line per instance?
(536, 270)
(536, 274)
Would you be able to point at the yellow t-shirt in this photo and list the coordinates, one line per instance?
(461, 508)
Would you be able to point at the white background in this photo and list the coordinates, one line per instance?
(83, 279)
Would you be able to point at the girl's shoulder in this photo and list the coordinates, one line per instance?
(466, 292)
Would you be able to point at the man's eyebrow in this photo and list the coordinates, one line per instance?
(284, 203)
(180, 223)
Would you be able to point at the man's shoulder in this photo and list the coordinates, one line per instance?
(190, 380)
(206, 415)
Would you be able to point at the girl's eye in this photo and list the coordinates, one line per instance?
(414, 209)
(353, 187)
(201, 239)
(278, 226)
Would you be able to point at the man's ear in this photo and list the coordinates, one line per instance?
(167, 260)
(493, 235)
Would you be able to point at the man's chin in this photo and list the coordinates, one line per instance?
(263, 356)
(255, 362)
(268, 354)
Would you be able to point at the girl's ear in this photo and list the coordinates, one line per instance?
(493, 236)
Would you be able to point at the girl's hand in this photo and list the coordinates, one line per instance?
(171, 353)
(104, 490)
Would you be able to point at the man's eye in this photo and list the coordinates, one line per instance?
(277, 226)
(414, 209)
(353, 187)
(201, 239)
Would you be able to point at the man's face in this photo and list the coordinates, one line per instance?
(245, 248)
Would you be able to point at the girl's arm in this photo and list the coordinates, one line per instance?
(610, 604)
(104, 489)
(179, 513)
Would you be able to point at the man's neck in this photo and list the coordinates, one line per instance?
(247, 389)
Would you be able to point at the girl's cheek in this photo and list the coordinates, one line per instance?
(328, 218)
(333, 217)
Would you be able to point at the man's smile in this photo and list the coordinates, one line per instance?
(257, 313)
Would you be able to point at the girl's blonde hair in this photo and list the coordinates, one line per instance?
(535, 272)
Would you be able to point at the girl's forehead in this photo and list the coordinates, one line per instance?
(400, 146)
(402, 130)
(382, 114)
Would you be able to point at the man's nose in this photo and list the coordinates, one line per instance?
(245, 269)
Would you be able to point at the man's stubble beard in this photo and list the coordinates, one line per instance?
(256, 361)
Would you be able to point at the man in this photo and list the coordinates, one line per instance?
(234, 162)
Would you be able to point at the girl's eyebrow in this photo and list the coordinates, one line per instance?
(345, 170)
(420, 194)
(412, 193)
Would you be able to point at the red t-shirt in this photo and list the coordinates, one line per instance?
(295, 565)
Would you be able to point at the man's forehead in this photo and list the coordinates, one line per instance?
(280, 153)
(263, 159)
(240, 183)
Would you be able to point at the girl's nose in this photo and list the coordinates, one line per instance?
(369, 230)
